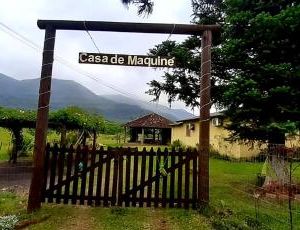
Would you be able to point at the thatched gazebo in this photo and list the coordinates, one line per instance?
(150, 129)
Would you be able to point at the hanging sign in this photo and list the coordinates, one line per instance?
(126, 60)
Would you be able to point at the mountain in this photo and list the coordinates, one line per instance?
(24, 94)
(172, 114)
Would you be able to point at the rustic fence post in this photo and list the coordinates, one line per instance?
(35, 193)
(203, 177)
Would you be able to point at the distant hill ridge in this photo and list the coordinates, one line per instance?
(24, 94)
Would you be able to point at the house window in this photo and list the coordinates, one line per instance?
(189, 128)
(217, 121)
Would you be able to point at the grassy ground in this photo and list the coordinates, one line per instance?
(232, 207)
(232, 188)
(54, 217)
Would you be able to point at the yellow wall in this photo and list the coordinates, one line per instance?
(217, 140)
(293, 141)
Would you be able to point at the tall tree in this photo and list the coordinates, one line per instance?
(255, 62)
(145, 7)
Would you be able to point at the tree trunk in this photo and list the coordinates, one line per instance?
(84, 137)
(17, 144)
(276, 166)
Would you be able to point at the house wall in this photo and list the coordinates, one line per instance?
(217, 140)
(293, 141)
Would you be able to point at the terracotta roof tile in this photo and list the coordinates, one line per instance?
(152, 120)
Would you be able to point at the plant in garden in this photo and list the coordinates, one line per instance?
(8, 222)
(177, 144)
(27, 144)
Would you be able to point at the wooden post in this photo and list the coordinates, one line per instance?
(63, 137)
(94, 139)
(203, 177)
(125, 134)
(35, 193)
(143, 136)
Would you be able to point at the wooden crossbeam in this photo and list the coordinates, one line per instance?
(132, 27)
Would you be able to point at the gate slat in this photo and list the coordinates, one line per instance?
(84, 160)
(150, 173)
(172, 180)
(75, 182)
(53, 172)
(194, 197)
(187, 180)
(91, 177)
(143, 171)
(60, 164)
(115, 177)
(157, 179)
(99, 176)
(68, 175)
(120, 182)
(135, 174)
(47, 160)
(107, 177)
(128, 169)
(179, 179)
(165, 179)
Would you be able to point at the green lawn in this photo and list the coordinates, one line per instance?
(52, 216)
(232, 186)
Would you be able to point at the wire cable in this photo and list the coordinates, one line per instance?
(62, 61)
(93, 41)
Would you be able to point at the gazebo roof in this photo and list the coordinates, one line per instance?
(152, 120)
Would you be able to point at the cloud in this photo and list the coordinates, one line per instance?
(22, 62)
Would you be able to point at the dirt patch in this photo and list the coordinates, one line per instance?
(82, 220)
(158, 221)
(15, 177)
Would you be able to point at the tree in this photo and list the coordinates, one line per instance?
(145, 7)
(255, 62)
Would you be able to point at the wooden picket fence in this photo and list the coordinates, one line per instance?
(123, 177)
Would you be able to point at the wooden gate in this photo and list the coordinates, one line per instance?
(123, 177)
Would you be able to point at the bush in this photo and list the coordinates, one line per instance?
(27, 145)
(72, 138)
(177, 144)
(8, 222)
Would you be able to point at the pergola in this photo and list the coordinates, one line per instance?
(157, 126)
(16, 125)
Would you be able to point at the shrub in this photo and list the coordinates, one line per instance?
(27, 145)
(72, 138)
(177, 144)
(8, 222)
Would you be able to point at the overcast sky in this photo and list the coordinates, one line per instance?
(20, 61)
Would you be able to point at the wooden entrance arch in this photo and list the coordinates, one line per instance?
(50, 27)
